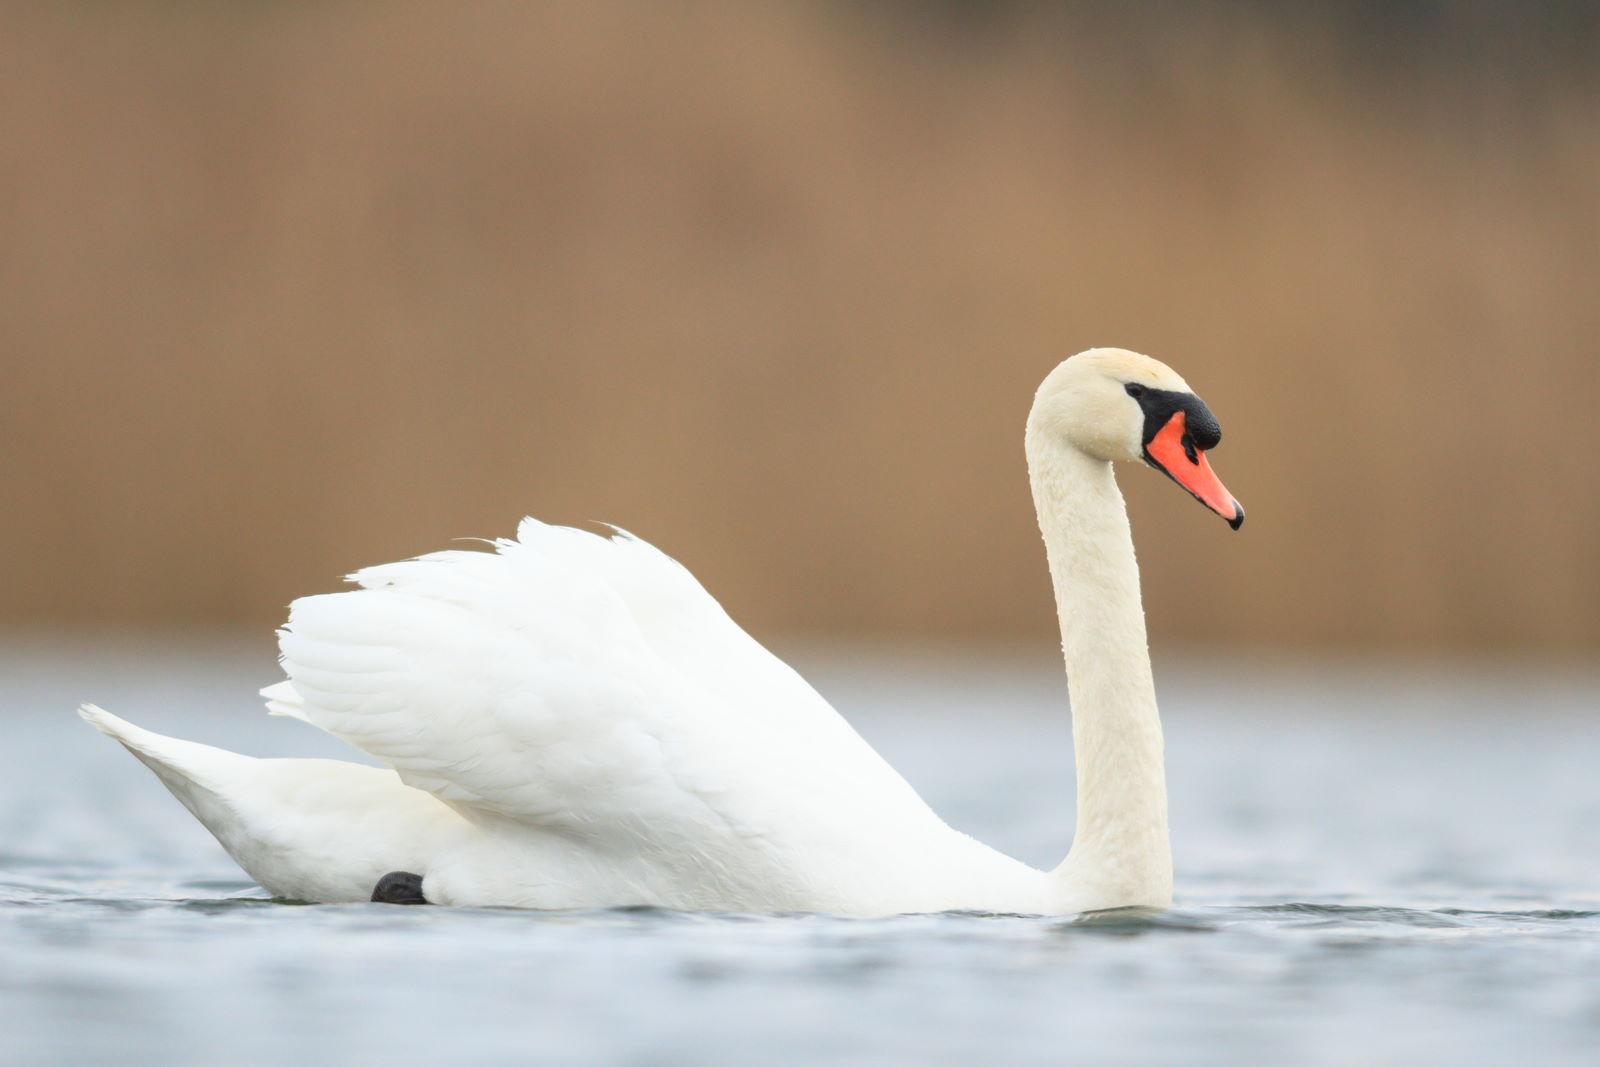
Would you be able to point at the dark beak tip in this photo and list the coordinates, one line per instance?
(1238, 516)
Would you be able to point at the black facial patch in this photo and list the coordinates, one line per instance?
(1159, 405)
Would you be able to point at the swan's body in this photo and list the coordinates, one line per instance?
(573, 721)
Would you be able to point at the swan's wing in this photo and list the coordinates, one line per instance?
(582, 683)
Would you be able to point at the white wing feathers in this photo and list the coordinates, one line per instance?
(283, 700)
(582, 683)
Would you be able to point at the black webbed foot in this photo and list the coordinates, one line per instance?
(399, 887)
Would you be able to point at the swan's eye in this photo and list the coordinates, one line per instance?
(1134, 389)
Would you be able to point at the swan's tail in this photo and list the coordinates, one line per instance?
(306, 829)
(196, 774)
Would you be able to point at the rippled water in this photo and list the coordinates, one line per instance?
(1396, 868)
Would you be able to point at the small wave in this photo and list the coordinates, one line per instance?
(1346, 913)
(1544, 914)
(225, 885)
(1129, 922)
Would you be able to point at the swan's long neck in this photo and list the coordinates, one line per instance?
(1121, 853)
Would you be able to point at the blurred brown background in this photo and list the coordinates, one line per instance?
(290, 288)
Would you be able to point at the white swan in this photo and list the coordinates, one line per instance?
(572, 721)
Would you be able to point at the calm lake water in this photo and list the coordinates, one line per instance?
(1394, 867)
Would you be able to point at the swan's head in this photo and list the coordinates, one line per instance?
(1113, 404)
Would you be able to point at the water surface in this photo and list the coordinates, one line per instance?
(1395, 867)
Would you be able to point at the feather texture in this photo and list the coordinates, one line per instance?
(577, 690)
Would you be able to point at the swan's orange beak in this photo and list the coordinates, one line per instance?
(1172, 451)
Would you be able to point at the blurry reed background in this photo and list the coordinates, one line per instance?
(290, 288)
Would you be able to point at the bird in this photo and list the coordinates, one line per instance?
(569, 720)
